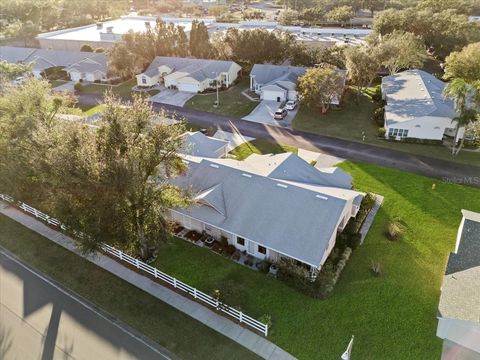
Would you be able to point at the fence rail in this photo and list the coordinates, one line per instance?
(170, 280)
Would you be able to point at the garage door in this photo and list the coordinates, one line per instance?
(90, 77)
(193, 88)
(75, 76)
(274, 95)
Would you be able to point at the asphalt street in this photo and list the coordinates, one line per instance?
(422, 165)
(41, 320)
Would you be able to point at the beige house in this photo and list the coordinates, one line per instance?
(189, 75)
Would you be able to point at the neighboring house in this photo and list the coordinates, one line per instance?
(255, 204)
(416, 107)
(79, 65)
(459, 307)
(200, 145)
(275, 82)
(88, 70)
(189, 75)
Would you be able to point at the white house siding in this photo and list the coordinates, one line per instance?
(144, 80)
(75, 75)
(233, 73)
(292, 95)
(459, 335)
(429, 128)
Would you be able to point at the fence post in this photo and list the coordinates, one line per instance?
(266, 330)
(175, 283)
(194, 293)
(137, 263)
(121, 255)
(241, 317)
(155, 273)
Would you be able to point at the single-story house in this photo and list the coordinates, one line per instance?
(255, 204)
(459, 307)
(88, 69)
(189, 75)
(201, 145)
(82, 65)
(416, 107)
(275, 82)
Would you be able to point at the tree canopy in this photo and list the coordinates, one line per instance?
(464, 64)
(319, 86)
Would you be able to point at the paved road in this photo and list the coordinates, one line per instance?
(422, 165)
(40, 320)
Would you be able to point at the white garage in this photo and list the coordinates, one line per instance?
(193, 88)
(274, 93)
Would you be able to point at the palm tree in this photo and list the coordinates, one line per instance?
(460, 91)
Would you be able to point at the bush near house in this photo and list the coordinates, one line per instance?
(379, 116)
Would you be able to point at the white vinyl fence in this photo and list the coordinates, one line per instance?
(170, 280)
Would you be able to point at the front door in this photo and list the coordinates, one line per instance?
(251, 247)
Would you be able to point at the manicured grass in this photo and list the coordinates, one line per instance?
(124, 89)
(352, 119)
(163, 324)
(259, 146)
(56, 83)
(89, 110)
(232, 102)
(392, 316)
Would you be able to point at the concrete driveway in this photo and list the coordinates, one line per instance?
(172, 97)
(263, 114)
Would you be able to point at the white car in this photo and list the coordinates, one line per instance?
(291, 105)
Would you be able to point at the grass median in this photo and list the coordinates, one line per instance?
(163, 324)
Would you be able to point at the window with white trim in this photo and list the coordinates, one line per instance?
(240, 241)
(262, 250)
(397, 132)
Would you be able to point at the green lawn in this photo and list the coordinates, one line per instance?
(56, 83)
(259, 146)
(89, 110)
(232, 102)
(123, 89)
(392, 316)
(349, 122)
(172, 329)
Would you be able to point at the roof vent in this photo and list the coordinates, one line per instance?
(99, 25)
(321, 197)
(110, 29)
(282, 186)
(247, 175)
(147, 24)
(214, 166)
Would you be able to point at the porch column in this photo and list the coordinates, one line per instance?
(251, 81)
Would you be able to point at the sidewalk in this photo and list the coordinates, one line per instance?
(255, 343)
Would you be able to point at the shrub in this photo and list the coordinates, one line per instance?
(395, 229)
(379, 116)
(376, 268)
(377, 95)
(264, 266)
(86, 48)
(266, 319)
(381, 132)
(78, 86)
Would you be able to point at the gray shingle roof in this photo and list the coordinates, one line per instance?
(460, 297)
(295, 220)
(198, 144)
(199, 69)
(415, 93)
(43, 59)
(14, 54)
(269, 74)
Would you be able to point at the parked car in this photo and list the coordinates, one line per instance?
(280, 114)
(291, 105)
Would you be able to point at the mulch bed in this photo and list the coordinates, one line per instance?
(193, 236)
